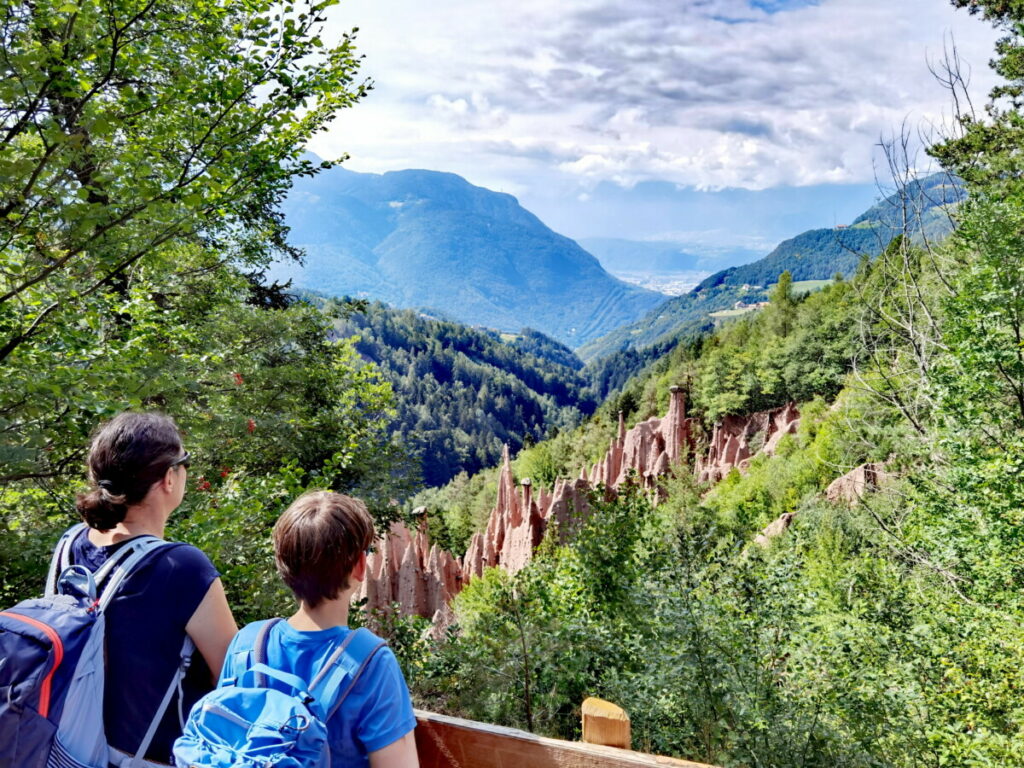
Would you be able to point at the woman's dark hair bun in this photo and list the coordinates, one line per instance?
(101, 509)
(127, 455)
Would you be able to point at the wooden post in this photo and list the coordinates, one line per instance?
(605, 723)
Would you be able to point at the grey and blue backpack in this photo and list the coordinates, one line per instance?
(52, 665)
(267, 718)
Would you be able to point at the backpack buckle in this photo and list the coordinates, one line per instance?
(301, 724)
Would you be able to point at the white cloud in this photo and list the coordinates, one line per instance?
(705, 93)
(468, 114)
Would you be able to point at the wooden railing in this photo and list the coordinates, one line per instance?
(451, 742)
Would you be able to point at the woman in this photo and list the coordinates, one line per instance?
(138, 470)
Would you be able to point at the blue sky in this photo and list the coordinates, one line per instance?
(707, 220)
(653, 105)
(776, 6)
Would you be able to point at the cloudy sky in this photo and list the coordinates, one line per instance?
(651, 118)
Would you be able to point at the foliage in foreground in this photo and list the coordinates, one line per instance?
(830, 647)
(145, 150)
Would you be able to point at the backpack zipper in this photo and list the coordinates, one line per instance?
(58, 656)
(227, 714)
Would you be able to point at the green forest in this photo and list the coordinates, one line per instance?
(462, 393)
(145, 153)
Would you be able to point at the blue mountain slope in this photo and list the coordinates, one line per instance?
(818, 254)
(432, 240)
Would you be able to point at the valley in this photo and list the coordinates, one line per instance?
(668, 283)
(443, 372)
(608, 374)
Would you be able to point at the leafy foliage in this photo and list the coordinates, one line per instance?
(144, 152)
(551, 628)
(826, 648)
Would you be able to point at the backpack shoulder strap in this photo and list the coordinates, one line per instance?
(259, 650)
(242, 651)
(343, 669)
(61, 558)
(185, 659)
(112, 573)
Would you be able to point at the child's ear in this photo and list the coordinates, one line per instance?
(359, 570)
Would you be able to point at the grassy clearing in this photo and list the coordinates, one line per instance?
(806, 286)
(732, 312)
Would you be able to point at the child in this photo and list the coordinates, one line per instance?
(320, 545)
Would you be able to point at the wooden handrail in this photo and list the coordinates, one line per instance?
(451, 742)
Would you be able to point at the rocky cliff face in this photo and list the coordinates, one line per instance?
(736, 439)
(521, 517)
(848, 489)
(852, 486)
(405, 568)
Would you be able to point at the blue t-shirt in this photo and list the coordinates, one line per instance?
(377, 712)
(145, 631)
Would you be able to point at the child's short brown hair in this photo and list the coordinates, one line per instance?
(317, 543)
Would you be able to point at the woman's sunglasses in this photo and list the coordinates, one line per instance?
(185, 461)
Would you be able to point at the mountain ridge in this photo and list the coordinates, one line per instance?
(429, 239)
(816, 254)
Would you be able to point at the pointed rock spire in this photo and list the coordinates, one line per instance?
(406, 567)
(674, 427)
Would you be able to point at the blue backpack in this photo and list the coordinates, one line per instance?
(52, 664)
(266, 718)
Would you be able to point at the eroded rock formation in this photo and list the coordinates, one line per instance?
(774, 528)
(737, 439)
(406, 569)
(521, 518)
(849, 489)
(852, 486)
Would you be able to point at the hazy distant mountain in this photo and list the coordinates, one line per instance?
(661, 257)
(423, 239)
(820, 253)
(817, 254)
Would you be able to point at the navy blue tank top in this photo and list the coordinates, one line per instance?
(145, 631)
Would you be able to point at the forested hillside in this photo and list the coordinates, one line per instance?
(462, 393)
(800, 348)
(433, 241)
(921, 208)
